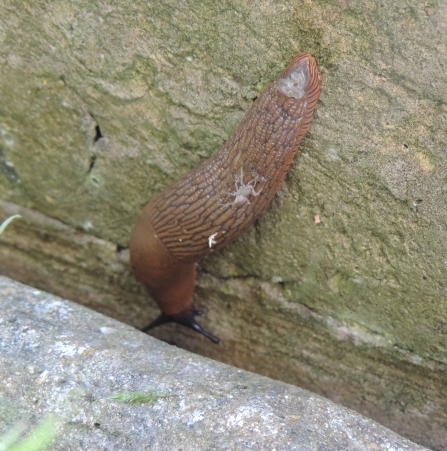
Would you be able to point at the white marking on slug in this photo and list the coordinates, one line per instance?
(211, 240)
(293, 84)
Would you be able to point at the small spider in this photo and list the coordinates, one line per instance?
(243, 191)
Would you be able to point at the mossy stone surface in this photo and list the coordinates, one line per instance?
(102, 104)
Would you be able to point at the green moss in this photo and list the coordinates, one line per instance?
(139, 397)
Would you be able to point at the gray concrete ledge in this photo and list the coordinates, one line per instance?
(57, 356)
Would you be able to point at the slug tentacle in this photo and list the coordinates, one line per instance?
(187, 220)
(185, 318)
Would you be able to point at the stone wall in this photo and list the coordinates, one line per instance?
(104, 385)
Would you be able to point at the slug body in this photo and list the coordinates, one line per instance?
(214, 203)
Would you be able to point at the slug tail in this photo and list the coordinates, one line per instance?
(169, 281)
(185, 318)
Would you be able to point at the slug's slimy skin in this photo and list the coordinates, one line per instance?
(214, 203)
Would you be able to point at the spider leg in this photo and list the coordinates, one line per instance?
(235, 183)
(256, 193)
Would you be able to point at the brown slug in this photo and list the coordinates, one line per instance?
(214, 203)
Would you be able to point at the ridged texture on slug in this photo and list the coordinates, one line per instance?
(199, 213)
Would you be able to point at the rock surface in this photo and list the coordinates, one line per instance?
(57, 356)
(103, 103)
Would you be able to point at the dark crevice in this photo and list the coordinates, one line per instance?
(98, 135)
(92, 163)
(120, 248)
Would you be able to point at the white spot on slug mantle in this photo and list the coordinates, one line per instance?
(293, 84)
(211, 240)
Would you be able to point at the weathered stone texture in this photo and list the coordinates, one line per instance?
(104, 103)
(59, 357)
